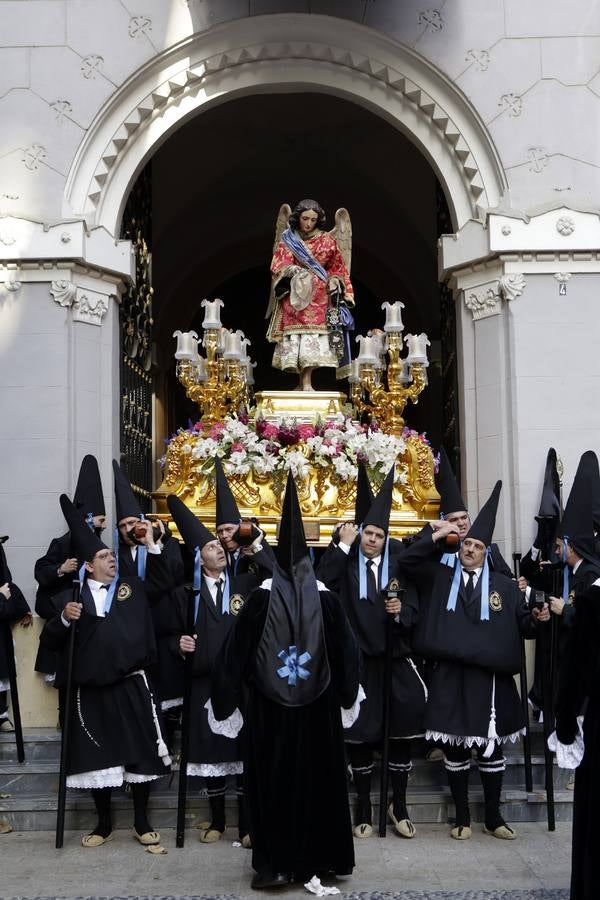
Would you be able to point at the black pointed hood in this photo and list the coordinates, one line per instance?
(127, 504)
(88, 495)
(227, 509)
(4, 570)
(83, 539)
(381, 507)
(550, 500)
(364, 494)
(577, 525)
(193, 532)
(291, 663)
(451, 500)
(482, 528)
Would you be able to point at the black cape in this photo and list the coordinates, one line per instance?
(10, 612)
(294, 765)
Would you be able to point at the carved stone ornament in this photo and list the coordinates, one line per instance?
(483, 301)
(562, 276)
(565, 226)
(12, 286)
(511, 286)
(90, 310)
(7, 236)
(64, 292)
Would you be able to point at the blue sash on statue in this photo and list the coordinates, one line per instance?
(302, 253)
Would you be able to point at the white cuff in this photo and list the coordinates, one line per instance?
(345, 547)
(229, 727)
(155, 549)
(64, 621)
(349, 716)
(568, 756)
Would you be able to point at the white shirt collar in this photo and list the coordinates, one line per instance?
(576, 566)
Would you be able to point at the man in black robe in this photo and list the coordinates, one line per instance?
(293, 649)
(114, 734)
(217, 599)
(471, 623)
(165, 564)
(359, 573)
(248, 552)
(59, 563)
(13, 609)
(579, 696)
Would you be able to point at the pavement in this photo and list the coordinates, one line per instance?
(432, 866)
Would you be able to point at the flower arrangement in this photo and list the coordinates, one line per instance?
(264, 446)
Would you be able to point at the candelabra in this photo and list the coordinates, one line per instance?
(222, 381)
(382, 391)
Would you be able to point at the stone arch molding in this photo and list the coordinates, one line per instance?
(255, 55)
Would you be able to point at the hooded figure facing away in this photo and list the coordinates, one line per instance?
(293, 650)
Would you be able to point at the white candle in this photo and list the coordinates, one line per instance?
(378, 344)
(367, 355)
(233, 346)
(393, 316)
(417, 348)
(187, 344)
(212, 313)
(200, 365)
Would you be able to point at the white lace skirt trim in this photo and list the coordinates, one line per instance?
(171, 704)
(471, 740)
(99, 778)
(214, 770)
(349, 716)
(4, 684)
(134, 778)
(50, 679)
(229, 727)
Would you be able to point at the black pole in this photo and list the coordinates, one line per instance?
(185, 727)
(393, 591)
(64, 740)
(524, 698)
(14, 693)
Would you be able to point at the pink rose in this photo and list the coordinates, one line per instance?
(270, 431)
(237, 447)
(216, 431)
(306, 432)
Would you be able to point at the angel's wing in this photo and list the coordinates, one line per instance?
(283, 216)
(342, 232)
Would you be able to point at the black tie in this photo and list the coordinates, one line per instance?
(469, 587)
(103, 587)
(372, 590)
(219, 597)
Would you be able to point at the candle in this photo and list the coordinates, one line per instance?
(212, 314)
(417, 348)
(187, 344)
(222, 339)
(233, 345)
(367, 355)
(200, 367)
(393, 316)
(405, 376)
(378, 341)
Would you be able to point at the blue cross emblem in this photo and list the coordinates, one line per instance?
(292, 667)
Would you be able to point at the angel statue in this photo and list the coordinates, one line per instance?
(311, 292)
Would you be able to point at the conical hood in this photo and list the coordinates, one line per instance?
(381, 507)
(451, 500)
(364, 494)
(482, 528)
(191, 529)
(550, 502)
(591, 466)
(84, 541)
(88, 495)
(579, 508)
(127, 505)
(4, 570)
(227, 509)
(291, 541)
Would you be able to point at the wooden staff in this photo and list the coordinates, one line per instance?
(185, 724)
(64, 740)
(524, 699)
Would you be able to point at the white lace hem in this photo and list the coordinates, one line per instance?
(349, 716)
(471, 740)
(103, 778)
(214, 770)
(568, 756)
(50, 679)
(171, 704)
(229, 727)
(4, 684)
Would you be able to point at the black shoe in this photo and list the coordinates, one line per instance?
(267, 879)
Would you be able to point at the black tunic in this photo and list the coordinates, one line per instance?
(10, 612)
(294, 765)
(50, 583)
(579, 693)
(167, 676)
(112, 722)
(211, 629)
(475, 660)
(340, 573)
